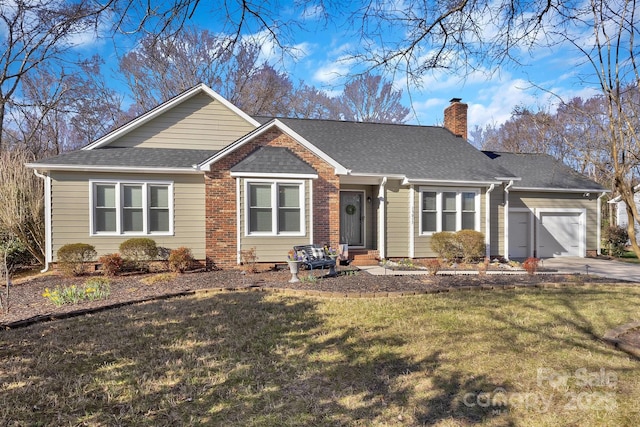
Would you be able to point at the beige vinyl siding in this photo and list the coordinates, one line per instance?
(534, 200)
(422, 244)
(397, 220)
(70, 212)
(198, 123)
(273, 248)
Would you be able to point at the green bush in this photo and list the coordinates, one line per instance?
(17, 252)
(180, 259)
(111, 264)
(471, 244)
(616, 238)
(443, 243)
(73, 256)
(139, 250)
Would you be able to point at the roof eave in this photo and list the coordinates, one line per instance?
(274, 175)
(566, 190)
(447, 182)
(85, 168)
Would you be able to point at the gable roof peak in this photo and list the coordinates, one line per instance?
(166, 106)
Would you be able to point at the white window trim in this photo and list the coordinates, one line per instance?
(119, 206)
(274, 207)
(458, 191)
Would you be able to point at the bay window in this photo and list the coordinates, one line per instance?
(449, 210)
(136, 208)
(274, 208)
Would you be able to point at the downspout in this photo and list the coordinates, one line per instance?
(599, 226)
(47, 219)
(412, 220)
(506, 220)
(311, 208)
(487, 225)
(382, 207)
(238, 223)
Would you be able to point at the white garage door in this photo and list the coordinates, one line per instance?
(559, 234)
(519, 234)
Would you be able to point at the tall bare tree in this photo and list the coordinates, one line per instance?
(368, 98)
(22, 201)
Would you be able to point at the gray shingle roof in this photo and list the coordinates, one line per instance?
(542, 171)
(273, 159)
(131, 157)
(417, 152)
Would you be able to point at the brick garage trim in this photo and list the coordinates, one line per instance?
(221, 207)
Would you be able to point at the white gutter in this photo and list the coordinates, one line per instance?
(412, 243)
(133, 169)
(47, 219)
(506, 220)
(487, 226)
(448, 182)
(382, 219)
(599, 226)
(564, 190)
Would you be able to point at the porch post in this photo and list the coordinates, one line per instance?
(381, 218)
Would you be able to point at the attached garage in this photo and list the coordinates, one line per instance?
(560, 233)
(547, 233)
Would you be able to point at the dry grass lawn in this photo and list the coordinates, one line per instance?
(513, 357)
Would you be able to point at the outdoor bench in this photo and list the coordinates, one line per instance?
(314, 256)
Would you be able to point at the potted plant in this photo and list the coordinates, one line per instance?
(331, 252)
(294, 260)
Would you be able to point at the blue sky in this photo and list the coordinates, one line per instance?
(322, 60)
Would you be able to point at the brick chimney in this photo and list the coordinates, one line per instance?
(455, 117)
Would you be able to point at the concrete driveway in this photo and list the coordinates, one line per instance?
(606, 268)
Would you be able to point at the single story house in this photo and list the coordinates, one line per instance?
(198, 172)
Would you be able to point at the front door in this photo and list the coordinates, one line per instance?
(352, 218)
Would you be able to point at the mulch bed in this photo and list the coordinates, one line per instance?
(26, 300)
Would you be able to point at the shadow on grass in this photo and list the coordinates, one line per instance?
(228, 359)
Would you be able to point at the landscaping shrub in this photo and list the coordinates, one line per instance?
(467, 245)
(73, 256)
(443, 243)
(139, 250)
(180, 259)
(616, 238)
(531, 265)
(249, 259)
(483, 266)
(471, 244)
(111, 264)
(433, 265)
(17, 252)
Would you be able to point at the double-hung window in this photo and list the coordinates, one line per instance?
(137, 208)
(275, 208)
(449, 210)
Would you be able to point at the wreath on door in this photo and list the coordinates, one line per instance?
(350, 209)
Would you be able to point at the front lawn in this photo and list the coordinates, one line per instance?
(512, 357)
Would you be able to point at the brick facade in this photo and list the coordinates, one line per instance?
(220, 192)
